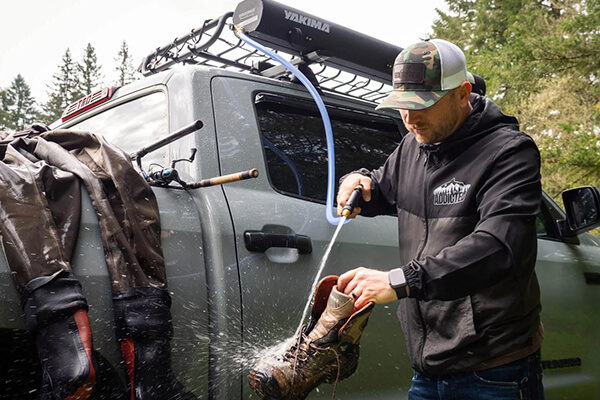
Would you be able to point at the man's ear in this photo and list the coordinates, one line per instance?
(464, 93)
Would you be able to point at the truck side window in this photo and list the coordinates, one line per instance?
(295, 145)
(133, 125)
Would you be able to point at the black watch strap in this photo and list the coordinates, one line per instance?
(400, 292)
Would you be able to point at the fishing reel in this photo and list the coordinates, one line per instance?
(163, 177)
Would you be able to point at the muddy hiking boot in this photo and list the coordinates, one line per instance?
(326, 350)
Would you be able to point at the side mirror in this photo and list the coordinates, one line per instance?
(582, 205)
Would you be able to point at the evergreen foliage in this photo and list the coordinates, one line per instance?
(90, 77)
(64, 89)
(125, 69)
(540, 62)
(18, 105)
(5, 117)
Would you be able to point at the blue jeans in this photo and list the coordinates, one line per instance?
(521, 379)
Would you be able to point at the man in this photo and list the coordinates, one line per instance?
(465, 185)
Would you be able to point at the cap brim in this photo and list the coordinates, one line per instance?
(411, 99)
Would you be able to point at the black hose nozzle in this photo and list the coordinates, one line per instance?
(352, 201)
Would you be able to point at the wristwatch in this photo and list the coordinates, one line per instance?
(398, 282)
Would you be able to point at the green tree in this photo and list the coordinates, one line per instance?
(515, 44)
(63, 90)
(5, 120)
(89, 70)
(540, 61)
(19, 103)
(53, 108)
(570, 144)
(125, 70)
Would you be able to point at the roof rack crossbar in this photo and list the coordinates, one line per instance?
(332, 78)
(378, 90)
(323, 68)
(224, 61)
(248, 55)
(359, 85)
(345, 83)
(233, 47)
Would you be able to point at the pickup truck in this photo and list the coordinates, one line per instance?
(233, 297)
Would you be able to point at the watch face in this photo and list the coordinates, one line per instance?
(397, 277)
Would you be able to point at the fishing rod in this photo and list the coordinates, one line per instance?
(165, 176)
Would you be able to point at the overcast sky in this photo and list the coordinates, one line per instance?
(36, 33)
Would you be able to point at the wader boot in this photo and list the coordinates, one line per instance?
(144, 329)
(56, 315)
(326, 350)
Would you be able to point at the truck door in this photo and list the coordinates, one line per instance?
(279, 131)
(568, 270)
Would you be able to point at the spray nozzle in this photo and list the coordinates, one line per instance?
(352, 201)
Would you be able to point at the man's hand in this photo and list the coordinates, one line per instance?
(366, 285)
(346, 188)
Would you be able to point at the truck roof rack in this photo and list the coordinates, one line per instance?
(336, 58)
(333, 57)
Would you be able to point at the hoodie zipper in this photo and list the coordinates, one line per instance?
(425, 213)
(425, 217)
(423, 149)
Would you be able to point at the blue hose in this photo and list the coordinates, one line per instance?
(333, 220)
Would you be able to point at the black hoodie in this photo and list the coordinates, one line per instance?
(466, 219)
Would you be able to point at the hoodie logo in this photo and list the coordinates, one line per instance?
(450, 193)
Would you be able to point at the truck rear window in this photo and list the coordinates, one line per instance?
(133, 125)
(295, 145)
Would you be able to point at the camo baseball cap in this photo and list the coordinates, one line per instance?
(423, 73)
